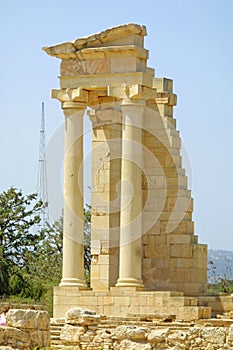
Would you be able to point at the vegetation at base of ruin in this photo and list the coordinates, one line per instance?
(220, 282)
(18, 214)
(31, 256)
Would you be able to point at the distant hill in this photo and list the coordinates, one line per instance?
(220, 264)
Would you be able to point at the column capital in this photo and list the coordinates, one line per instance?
(74, 105)
(71, 99)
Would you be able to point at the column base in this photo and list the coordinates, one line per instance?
(130, 282)
(73, 282)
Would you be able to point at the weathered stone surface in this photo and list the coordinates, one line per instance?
(28, 319)
(230, 336)
(214, 335)
(71, 334)
(158, 336)
(25, 329)
(131, 345)
(179, 339)
(81, 316)
(130, 332)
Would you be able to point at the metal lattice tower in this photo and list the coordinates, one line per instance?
(42, 173)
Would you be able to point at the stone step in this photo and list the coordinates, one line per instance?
(55, 332)
(55, 337)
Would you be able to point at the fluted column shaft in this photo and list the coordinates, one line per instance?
(73, 226)
(130, 267)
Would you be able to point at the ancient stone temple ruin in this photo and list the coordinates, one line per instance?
(145, 255)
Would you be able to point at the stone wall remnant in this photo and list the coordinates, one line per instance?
(26, 329)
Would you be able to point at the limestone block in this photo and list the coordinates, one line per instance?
(2, 335)
(14, 336)
(181, 181)
(157, 239)
(104, 301)
(186, 263)
(103, 259)
(198, 275)
(165, 110)
(158, 250)
(179, 202)
(130, 332)
(127, 64)
(95, 269)
(158, 263)
(95, 247)
(72, 66)
(192, 289)
(181, 250)
(163, 84)
(214, 335)
(157, 337)
(108, 115)
(230, 336)
(82, 317)
(98, 284)
(173, 216)
(200, 251)
(150, 226)
(97, 66)
(170, 263)
(179, 239)
(101, 80)
(105, 247)
(28, 319)
(176, 142)
(161, 275)
(132, 345)
(71, 334)
(178, 339)
(176, 227)
(181, 276)
(40, 337)
(153, 182)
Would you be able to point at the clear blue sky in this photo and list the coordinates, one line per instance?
(189, 41)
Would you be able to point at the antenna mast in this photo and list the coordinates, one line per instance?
(42, 173)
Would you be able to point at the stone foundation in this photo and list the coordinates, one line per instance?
(84, 329)
(123, 302)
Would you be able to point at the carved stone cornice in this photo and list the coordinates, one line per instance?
(123, 35)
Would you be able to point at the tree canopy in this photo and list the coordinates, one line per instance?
(18, 215)
(31, 256)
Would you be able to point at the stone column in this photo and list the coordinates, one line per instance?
(130, 266)
(73, 226)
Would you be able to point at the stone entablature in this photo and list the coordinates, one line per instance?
(142, 232)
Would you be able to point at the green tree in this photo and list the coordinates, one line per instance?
(31, 257)
(46, 263)
(18, 215)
